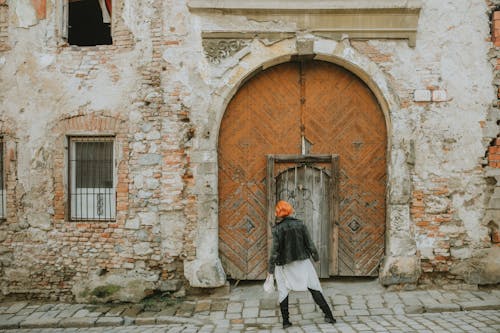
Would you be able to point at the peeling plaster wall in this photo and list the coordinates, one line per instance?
(156, 90)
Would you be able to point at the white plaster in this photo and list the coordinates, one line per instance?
(325, 46)
(45, 60)
(25, 13)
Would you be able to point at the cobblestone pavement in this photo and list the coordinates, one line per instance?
(359, 307)
(453, 322)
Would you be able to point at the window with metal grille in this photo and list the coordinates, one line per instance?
(3, 194)
(92, 192)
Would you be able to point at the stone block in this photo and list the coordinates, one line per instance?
(77, 322)
(12, 322)
(16, 307)
(440, 96)
(448, 307)
(421, 95)
(205, 273)
(268, 303)
(133, 224)
(177, 320)
(142, 248)
(150, 159)
(305, 46)
(480, 305)
(398, 270)
(146, 320)
(170, 285)
(40, 323)
(484, 268)
(414, 309)
(109, 321)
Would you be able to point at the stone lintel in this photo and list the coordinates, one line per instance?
(247, 34)
(310, 5)
(330, 19)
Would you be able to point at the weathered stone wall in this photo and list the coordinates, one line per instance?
(51, 91)
(162, 98)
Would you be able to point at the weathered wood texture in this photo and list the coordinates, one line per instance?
(307, 189)
(338, 114)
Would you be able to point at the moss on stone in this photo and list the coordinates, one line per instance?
(105, 291)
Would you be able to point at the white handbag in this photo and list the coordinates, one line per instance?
(269, 284)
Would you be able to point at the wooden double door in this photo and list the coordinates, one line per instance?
(306, 108)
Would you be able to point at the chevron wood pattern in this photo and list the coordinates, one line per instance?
(338, 115)
(343, 117)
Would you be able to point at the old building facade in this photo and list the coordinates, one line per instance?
(146, 154)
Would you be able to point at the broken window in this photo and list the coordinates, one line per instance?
(91, 178)
(89, 22)
(3, 194)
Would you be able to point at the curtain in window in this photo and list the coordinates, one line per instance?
(108, 6)
(106, 13)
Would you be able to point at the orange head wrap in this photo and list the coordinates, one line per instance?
(283, 209)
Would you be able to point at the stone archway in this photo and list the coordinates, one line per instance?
(310, 107)
(400, 264)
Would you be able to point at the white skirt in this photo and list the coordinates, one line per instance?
(297, 276)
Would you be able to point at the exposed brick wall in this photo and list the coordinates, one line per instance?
(492, 131)
(495, 28)
(494, 154)
(431, 212)
(4, 26)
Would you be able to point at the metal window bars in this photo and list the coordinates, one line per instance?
(92, 191)
(3, 194)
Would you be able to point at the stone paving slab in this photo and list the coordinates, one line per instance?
(40, 323)
(457, 322)
(77, 322)
(477, 305)
(249, 305)
(109, 321)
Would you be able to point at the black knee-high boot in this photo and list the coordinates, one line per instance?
(284, 313)
(323, 305)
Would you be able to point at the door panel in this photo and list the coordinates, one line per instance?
(307, 189)
(262, 118)
(343, 117)
(335, 113)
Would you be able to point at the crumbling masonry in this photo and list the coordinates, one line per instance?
(160, 91)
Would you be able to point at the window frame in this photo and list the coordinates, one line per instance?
(71, 174)
(65, 25)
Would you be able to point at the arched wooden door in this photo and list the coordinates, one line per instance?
(302, 108)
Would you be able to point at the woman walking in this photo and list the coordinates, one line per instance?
(289, 262)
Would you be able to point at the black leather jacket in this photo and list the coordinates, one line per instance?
(291, 242)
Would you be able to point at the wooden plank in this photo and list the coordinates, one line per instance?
(302, 158)
(243, 146)
(306, 188)
(343, 117)
(334, 213)
(271, 200)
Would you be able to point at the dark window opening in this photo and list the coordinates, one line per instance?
(89, 22)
